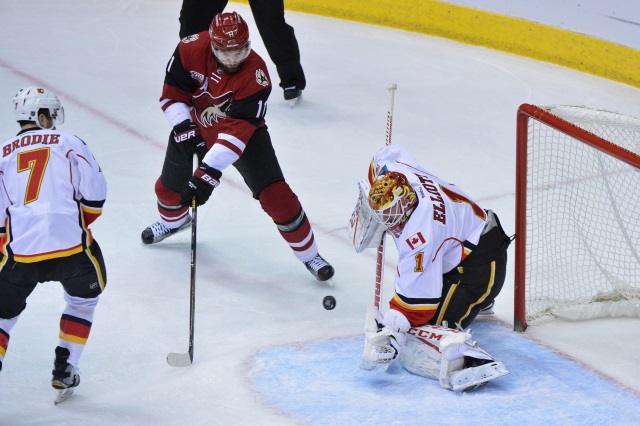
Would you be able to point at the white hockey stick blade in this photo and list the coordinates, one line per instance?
(179, 360)
(62, 395)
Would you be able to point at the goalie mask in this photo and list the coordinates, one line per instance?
(392, 199)
(230, 43)
(28, 103)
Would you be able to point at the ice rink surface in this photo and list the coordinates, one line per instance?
(266, 352)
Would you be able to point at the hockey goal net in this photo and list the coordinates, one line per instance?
(577, 214)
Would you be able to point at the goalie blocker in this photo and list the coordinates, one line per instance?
(363, 230)
(435, 352)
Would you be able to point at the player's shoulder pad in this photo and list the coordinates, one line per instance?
(70, 137)
(77, 137)
(253, 77)
(193, 38)
(194, 45)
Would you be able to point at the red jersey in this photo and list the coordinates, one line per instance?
(227, 107)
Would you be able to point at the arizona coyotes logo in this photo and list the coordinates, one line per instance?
(261, 78)
(211, 110)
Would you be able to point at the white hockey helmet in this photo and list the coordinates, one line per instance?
(28, 101)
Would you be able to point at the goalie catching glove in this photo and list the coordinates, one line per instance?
(201, 185)
(384, 338)
(187, 139)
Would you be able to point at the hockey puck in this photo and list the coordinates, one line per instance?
(329, 302)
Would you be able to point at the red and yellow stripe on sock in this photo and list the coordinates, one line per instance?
(73, 329)
(4, 343)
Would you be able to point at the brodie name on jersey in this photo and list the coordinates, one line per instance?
(26, 140)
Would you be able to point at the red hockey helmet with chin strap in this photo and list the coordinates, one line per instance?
(230, 44)
(228, 31)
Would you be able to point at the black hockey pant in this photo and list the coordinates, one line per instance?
(475, 283)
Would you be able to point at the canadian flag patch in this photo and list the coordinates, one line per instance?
(415, 240)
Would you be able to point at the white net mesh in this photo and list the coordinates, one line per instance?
(583, 207)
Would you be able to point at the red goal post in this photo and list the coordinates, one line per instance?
(577, 251)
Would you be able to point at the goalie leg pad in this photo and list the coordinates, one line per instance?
(454, 349)
(454, 375)
(422, 352)
(420, 358)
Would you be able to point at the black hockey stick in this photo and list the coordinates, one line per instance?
(186, 359)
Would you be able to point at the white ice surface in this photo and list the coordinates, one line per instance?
(454, 109)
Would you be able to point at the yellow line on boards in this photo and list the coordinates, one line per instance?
(525, 38)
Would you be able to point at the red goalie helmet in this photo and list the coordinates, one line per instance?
(392, 199)
(230, 44)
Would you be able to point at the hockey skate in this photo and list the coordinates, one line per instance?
(488, 309)
(64, 374)
(476, 374)
(293, 95)
(320, 268)
(159, 231)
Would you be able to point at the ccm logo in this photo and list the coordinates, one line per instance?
(185, 136)
(418, 332)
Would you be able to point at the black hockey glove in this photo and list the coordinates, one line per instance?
(187, 139)
(201, 185)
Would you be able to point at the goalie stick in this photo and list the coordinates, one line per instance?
(380, 253)
(186, 359)
(372, 353)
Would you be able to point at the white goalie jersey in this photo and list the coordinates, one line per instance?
(442, 230)
(52, 189)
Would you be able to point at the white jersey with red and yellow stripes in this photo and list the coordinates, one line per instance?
(442, 230)
(52, 189)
